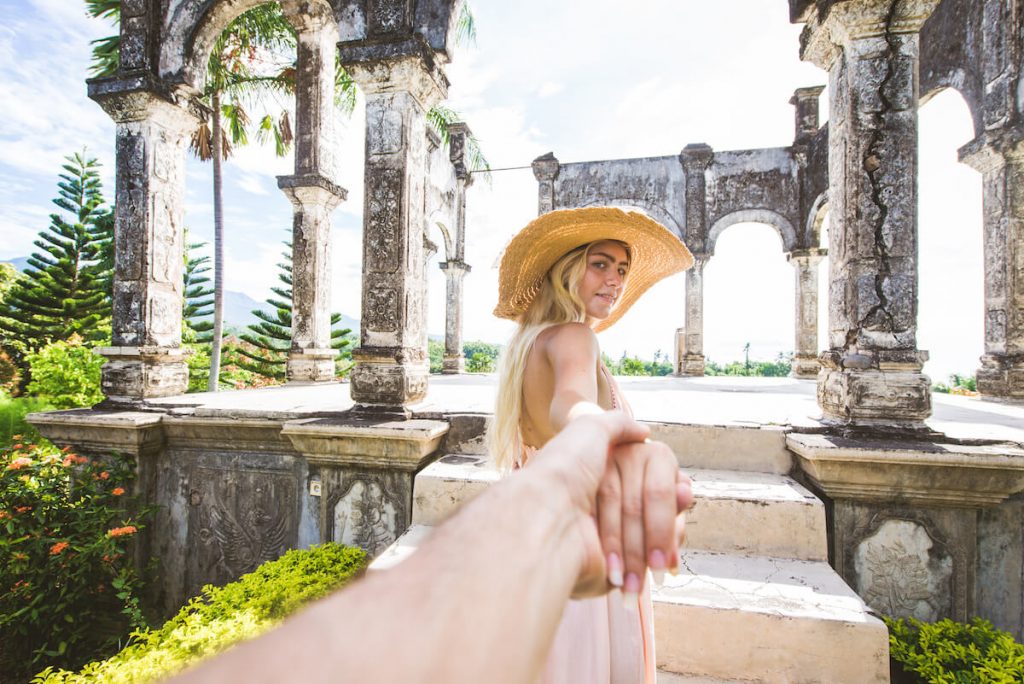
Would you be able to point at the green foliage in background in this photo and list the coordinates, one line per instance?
(66, 374)
(220, 617)
(67, 587)
(197, 303)
(12, 418)
(956, 652)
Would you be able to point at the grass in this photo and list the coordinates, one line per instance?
(12, 417)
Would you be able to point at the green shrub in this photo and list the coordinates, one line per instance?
(224, 616)
(12, 418)
(66, 374)
(956, 652)
(435, 351)
(67, 587)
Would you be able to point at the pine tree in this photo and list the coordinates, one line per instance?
(66, 289)
(271, 337)
(197, 303)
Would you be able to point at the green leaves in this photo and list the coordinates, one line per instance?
(955, 652)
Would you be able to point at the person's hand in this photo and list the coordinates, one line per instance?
(641, 495)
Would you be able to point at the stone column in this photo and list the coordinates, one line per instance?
(1000, 159)
(693, 352)
(872, 369)
(805, 351)
(145, 359)
(391, 362)
(456, 269)
(312, 191)
(545, 170)
(805, 103)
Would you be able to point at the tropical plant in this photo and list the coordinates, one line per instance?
(269, 340)
(197, 306)
(65, 289)
(66, 374)
(223, 616)
(67, 588)
(948, 651)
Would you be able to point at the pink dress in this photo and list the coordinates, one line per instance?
(599, 640)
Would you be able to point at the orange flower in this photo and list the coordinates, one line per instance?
(22, 509)
(58, 547)
(16, 437)
(4, 515)
(19, 556)
(18, 446)
(122, 531)
(104, 475)
(117, 491)
(71, 459)
(20, 462)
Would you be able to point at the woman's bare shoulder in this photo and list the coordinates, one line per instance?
(568, 337)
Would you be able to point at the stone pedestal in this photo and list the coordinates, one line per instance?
(805, 350)
(145, 358)
(454, 360)
(912, 520)
(693, 349)
(312, 192)
(391, 362)
(1000, 159)
(545, 170)
(872, 369)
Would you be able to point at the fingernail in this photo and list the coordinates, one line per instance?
(630, 591)
(658, 565)
(614, 570)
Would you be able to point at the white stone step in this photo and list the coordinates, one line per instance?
(754, 448)
(737, 512)
(731, 618)
(743, 618)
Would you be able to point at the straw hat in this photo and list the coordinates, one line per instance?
(655, 253)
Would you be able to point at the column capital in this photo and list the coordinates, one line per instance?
(697, 156)
(805, 100)
(140, 98)
(546, 167)
(813, 255)
(312, 189)
(992, 149)
(308, 16)
(412, 73)
(455, 267)
(843, 23)
(458, 134)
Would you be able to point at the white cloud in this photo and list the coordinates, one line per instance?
(549, 88)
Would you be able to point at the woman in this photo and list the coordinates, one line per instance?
(566, 276)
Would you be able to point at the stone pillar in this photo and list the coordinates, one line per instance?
(456, 269)
(545, 170)
(693, 348)
(805, 351)
(391, 362)
(145, 359)
(872, 369)
(1001, 163)
(312, 191)
(805, 102)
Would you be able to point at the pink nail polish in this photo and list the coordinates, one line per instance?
(614, 570)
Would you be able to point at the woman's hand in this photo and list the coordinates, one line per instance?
(607, 465)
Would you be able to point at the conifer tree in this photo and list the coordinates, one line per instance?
(197, 303)
(272, 336)
(66, 288)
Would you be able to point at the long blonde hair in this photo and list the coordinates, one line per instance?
(557, 302)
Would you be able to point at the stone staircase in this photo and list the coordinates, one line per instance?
(756, 600)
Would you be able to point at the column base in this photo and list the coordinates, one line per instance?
(692, 365)
(311, 365)
(880, 392)
(805, 366)
(1001, 377)
(386, 386)
(134, 374)
(453, 365)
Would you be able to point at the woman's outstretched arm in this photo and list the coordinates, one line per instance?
(572, 352)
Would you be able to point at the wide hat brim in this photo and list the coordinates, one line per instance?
(655, 251)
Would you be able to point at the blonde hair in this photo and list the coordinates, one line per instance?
(557, 302)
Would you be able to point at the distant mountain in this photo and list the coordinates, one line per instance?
(238, 306)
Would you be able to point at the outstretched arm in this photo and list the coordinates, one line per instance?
(572, 352)
(479, 601)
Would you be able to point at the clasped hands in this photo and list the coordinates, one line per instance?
(627, 497)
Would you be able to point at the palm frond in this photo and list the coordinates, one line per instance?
(201, 144)
(465, 27)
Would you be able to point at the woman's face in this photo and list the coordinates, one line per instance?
(605, 278)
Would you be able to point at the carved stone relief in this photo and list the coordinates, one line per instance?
(902, 571)
(382, 309)
(384, 220)
(367, 515)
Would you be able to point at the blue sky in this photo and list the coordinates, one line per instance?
(586, 79)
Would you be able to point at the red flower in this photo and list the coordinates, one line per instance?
(122, 531)
(58, 547)
(18, 446)
(117, 491)
(19, 463)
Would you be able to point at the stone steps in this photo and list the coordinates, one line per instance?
(738, 512)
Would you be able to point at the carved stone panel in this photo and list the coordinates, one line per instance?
(388, 16)
(238, 519)
(381, 309)
(384, 220)
(367, 508)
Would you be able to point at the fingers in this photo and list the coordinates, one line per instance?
(661, 499)
(629, 460)
(609, 524)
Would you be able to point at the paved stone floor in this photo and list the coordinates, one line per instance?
(702, 401)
